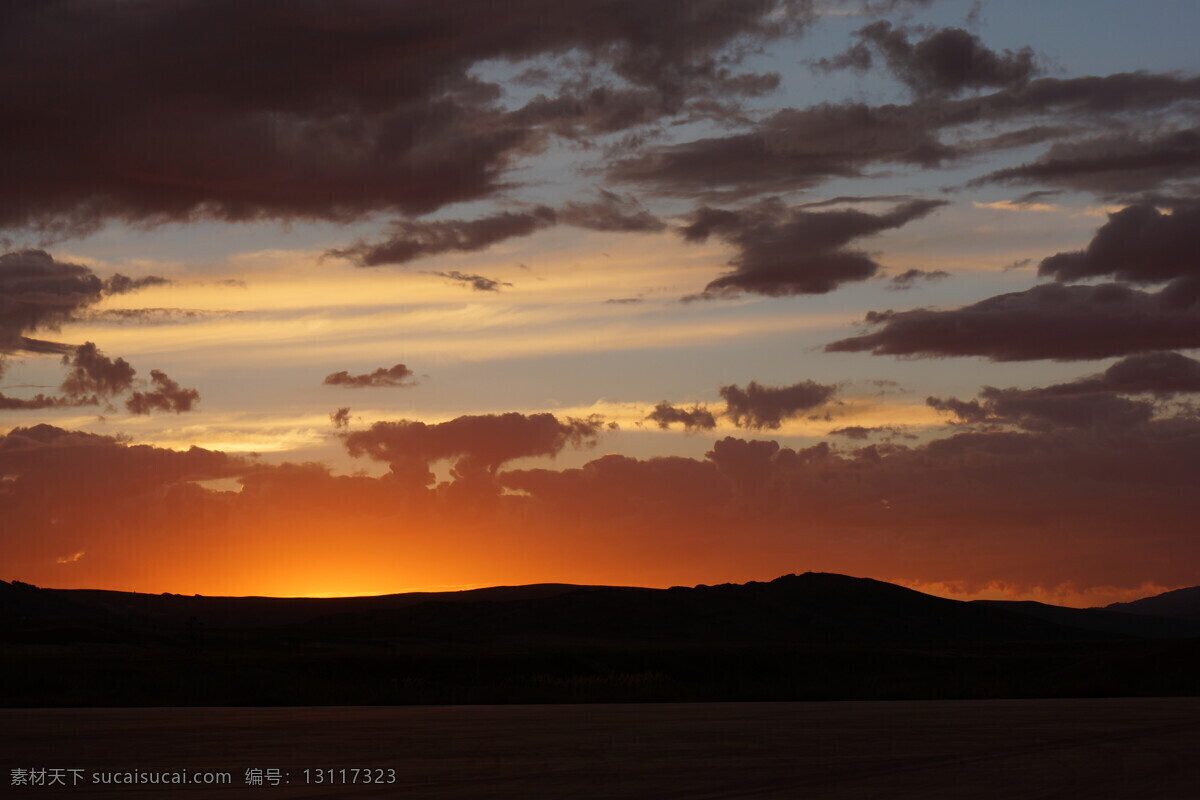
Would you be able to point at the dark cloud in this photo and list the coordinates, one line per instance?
(1139, 244)
(948, 60)
(972, 506)
(692, 419)
(800, 148)
(854, 432)
(1114, 165)
(1051, 321)
(611, 212)
(477, 282)
(1162, 374)
(793, 149)
(844, 199)
(479, 444)
(996, 497)
(761, 407)
(38, 401)
(860, 433)
(1095, 401)
(45, 458)
(94, 378)
(122, 284)
(969, 411)
(155, 316)
(326, 110)
(93, 373)
(580, 111)
(412, 240)
(1036, 196)
(908, 278)
(67, 491)
(784, 251)
(38, 293)
(1087, 98)
(887, 6)
(384, 376)
(167, 395)
(1036, 409)
(340, 418)
(43, 293)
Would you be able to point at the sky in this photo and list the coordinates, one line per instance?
(317, 298)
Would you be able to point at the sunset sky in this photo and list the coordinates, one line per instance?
(360, 297)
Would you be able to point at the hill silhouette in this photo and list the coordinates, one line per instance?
(1180, 604)
(809, 636)
(1114, 620)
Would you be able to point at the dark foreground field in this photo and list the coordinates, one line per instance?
(1102, 748)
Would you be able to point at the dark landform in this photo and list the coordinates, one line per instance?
(1181, 603)
(815, 636)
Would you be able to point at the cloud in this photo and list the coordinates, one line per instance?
(413, 240)
(860, 433)
(757, 406)
(1035, 409)
(39, 401)
(340, 418)
(166, 395)
(237, 111)
(948, 60)
(1111, 165)
(761, 407)
(480, 444)
(1091, 97)
(969, 411)
(1051, 321)
(1138, 244)
(1096, 401)
(382, 377)
(784, 251)
(40, 455)
(877, 7)
(692, 419)
(972, 505)
(1162, 374)
(477, 282)
(93, 373)
(969, 503)
(94, 377)
(792, 149)
(155, 316)
(611, 212)
(854, 432)
(907, 279)
(38, 293)
(843, 199)
(122, 284)
(801, 148)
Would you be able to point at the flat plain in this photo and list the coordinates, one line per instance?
(1113, 748)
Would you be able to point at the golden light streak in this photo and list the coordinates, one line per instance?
(465, 333)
